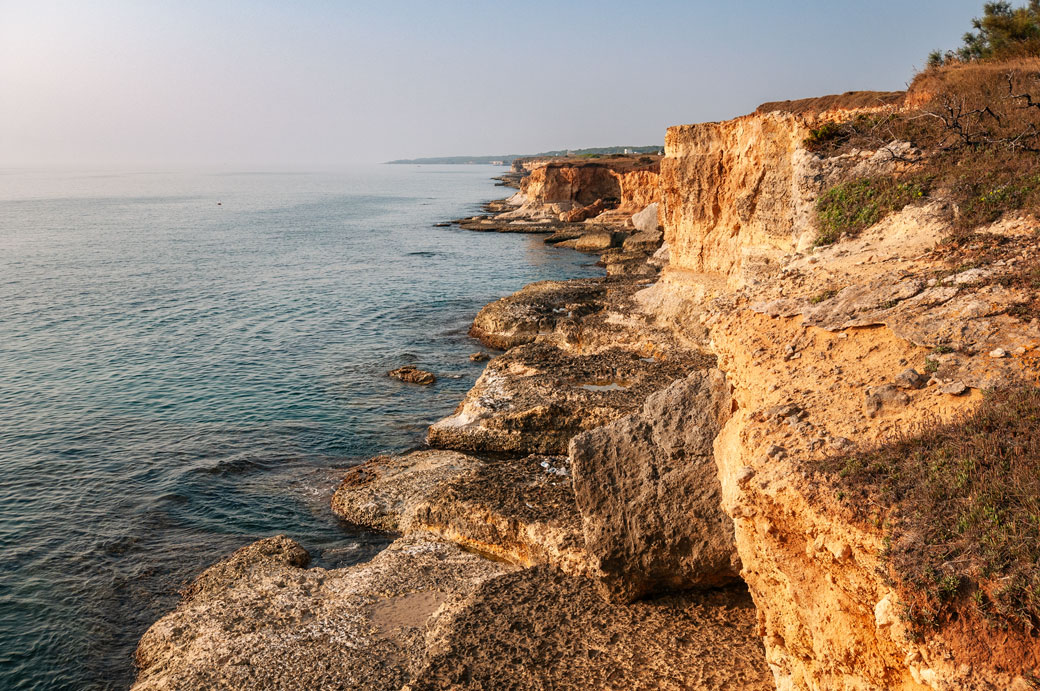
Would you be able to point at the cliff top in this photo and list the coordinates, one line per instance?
(850, 100)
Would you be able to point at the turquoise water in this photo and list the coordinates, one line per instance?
(187, 363)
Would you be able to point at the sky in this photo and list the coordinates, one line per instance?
(312, 84)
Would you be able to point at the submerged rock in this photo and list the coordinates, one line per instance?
(413, 375)
(649, 495)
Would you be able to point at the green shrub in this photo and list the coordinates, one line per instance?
(849, 207)
(1001, 32)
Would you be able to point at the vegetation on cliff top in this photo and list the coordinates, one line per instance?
(960, 505)
(975, 143)
(849, 207)
(1002, 32)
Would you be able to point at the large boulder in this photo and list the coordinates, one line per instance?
(648, 491)
(646, 220)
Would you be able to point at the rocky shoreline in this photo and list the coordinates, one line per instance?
(492, 538)
(630, 496)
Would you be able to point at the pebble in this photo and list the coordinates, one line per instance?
(998, 352)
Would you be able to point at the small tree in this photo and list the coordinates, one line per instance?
(1002, 32)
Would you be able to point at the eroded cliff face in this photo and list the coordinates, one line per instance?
(626, 185)
(817, 345)
(695, 411)
(736, 195)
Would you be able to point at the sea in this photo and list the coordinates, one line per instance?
(190, 360)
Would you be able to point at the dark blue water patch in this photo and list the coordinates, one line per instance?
(178, 379)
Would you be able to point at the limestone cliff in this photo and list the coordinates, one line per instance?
(625, 184)
(698, 411)
(736, 194)
(812, 342)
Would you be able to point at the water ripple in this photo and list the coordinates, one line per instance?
(179, 378)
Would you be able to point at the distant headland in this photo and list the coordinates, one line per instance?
(508, 160)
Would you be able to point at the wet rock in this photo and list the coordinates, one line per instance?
(479, 357)
(536, 397)
(648, 491)
(566, 233)
(412, 375)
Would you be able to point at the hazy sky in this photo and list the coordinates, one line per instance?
(319, 84)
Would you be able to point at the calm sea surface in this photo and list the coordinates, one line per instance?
(187, 363)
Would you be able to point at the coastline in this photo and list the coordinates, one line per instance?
(489, 525)
(647, 488)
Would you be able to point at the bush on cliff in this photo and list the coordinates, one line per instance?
(1002, 32)
(961, 508)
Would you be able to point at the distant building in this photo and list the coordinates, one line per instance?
(498, 163)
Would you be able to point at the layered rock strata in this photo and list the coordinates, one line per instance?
(537, 396)
(519, 511)
(825, 350)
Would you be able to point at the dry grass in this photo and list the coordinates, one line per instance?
(1019, 258)
(960, 504)
(847, 101)
(977, 127)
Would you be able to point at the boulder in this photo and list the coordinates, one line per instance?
(596, 241)
(649, 495)
(646, 220)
